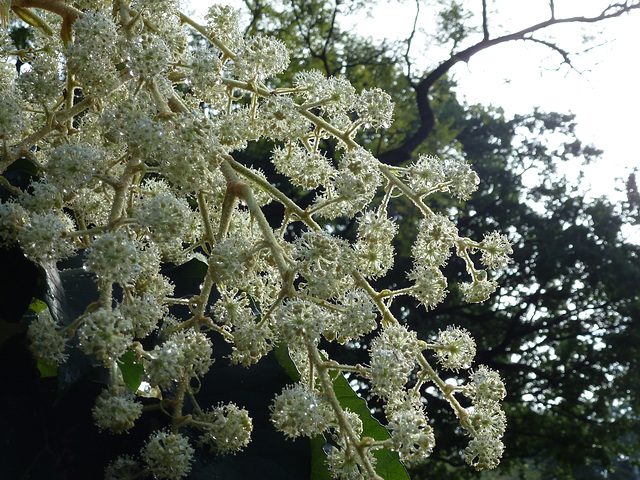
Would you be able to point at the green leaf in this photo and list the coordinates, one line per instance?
(47, 369)
(37, 305)
(281, 352)
(319, 470)
(388, 463)
(132, 372)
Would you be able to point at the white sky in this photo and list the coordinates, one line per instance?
(519, 76)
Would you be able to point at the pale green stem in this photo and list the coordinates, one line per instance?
(73, 326)
(176, 104)
(177, 301)
(205, 292)
(387, 317)
(122, 189)
(349, 142)
(440, 187)
(123, 10)
(202, 29)
(354, 126)
(448, 391)
(243, 191)
(196, 406)
(228, 205)
(320, 122)
(88, 231)
(177, 420)
(23, 147)
(462, 251)
(273, 192)
(345, 427)
(204, 211)
(387, 197)
(325, 304)
(343, 368)
(267, 316)
(71, 88)
(247, 86)
(158, 99)
(319, 207)
(393, 293)
(410, 194)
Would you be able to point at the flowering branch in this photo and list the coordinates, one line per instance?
(149, 178)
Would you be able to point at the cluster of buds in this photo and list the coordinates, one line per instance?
(139, 172)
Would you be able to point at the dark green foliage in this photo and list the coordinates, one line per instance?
(563, 329)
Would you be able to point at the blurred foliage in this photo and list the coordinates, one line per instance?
(565, 324)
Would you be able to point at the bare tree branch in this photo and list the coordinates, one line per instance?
(553, 46)
(485, 23)
(329, 36)
(422, 88)
(409, 41)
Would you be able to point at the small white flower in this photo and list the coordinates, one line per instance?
(114, 257)
(168, 456)
(430, 285)
(480, 289)
(116, 410)
(411, 433)
(436, 237)
(484, 452)
(105, 334)
(261, 57)
(300, 412)
(47, 343)
(43, 238)
(228, 428)
(455, 348)
(375, 108)
(496, 249)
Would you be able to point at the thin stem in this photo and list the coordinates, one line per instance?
(22, 148)
(228, 205)
(410, 194)
(122, 189)
(203, 30)
(206, 219)
(205, 292)
(387, 317)
(273, 192)
(448, 391)
(349, 142)
(71, 88)
(345, 427)
(243, 191)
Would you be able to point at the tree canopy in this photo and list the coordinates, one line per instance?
(562, 328)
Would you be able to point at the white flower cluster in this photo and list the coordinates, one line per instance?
(227, 428)
(133, 130)
(116, 410)
(487, 418)
(168, 455)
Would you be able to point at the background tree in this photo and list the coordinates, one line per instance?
(563, 328)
